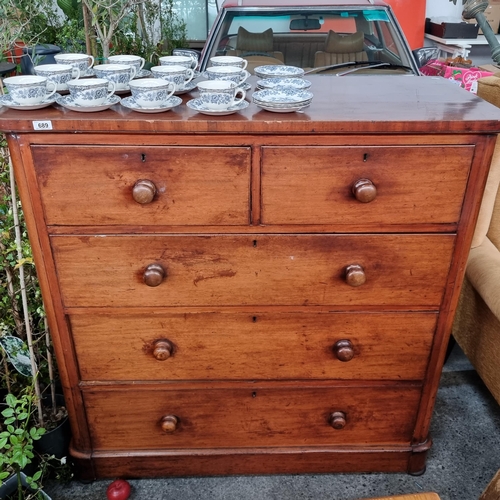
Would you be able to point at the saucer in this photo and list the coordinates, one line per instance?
(68, 102)
(197, 105)
(143, 73)
(187, 88)
(130, 103)
(7, 101)
(245, 86)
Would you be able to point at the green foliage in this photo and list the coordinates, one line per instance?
(150, 31)
(17, 437)
(11, 307)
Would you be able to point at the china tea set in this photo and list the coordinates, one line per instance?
(75, 83)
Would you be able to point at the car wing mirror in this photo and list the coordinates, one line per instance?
(424, 55)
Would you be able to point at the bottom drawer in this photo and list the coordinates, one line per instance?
(250, 415)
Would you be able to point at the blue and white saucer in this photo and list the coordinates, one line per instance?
(68, 101)
(143, 73)
(187, 88)
(198, 106)
(130, 103)
(244, 86)
(278, 70)
(6, 100)
(280, 82)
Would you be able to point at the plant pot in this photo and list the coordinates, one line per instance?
(43, 54)
(56, 441)
(9, 487)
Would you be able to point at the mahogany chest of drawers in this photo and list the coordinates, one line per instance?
(255, 293)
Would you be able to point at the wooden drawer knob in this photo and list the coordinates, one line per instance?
(338, 420)
(343, 350)
(355, 275)
(153, 275)
(364, 190)
(144, 191)
(162, 350)
(169, 423)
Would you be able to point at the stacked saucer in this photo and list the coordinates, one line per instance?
(282, 100)
(278, 70)
(280, 82)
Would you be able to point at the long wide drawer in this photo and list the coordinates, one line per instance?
(364, 184)
(101, 185)
(249, 415)
(224, 270)
(203, 346)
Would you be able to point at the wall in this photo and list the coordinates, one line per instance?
(411, 17)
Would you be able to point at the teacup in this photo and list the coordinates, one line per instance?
(236, 61)
(186, 61)
(91, 91)
(60, 74)
(29, 89)
(179, 75)
(81, 61)
(119, 74)
(136, 61)
(219, 94)
(232, 73)
(151, 92)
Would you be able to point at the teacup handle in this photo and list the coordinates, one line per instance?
(171, 84)
(244, 76)
(133, 72)
(113, 88)
(245, 64)
(195, 62)
(91, 60)
(143, 62)
(243, 95)
(190, 72)
(51, 92)
(75, 73)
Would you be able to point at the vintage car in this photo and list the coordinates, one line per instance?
(322, 36)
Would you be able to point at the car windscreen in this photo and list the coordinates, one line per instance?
(296, 35)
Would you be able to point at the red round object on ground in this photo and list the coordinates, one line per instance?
(118, 490)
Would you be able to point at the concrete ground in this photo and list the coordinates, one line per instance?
(465, 456)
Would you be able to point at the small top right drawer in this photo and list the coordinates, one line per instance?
(364, 184)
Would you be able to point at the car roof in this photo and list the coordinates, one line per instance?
(301, 3)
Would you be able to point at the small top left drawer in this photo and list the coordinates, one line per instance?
(129, 185)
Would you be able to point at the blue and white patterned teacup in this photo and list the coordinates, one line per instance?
(29, 89)
(151, 92)
(179, 75)
(136, 61)
(81, 61)
(219, 94)
(235, 61)
(120, 74)
(231, 73)
(60, 74)
(186, 61)
(91, 91)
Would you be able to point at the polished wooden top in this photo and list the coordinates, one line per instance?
(371, 104)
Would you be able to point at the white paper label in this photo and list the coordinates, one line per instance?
(42, 125)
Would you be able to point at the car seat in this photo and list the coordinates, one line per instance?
(341, 48)
(256, 48)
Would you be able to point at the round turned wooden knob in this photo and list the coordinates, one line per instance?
(144, 191)
(355, 275)
(162, 350)
(153, 275)
(338, 420)
(364, 190)
(169, 423)
(343, 350)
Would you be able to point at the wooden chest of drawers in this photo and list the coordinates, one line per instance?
(255, 293)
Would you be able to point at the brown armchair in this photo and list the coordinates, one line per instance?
(477, 321)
